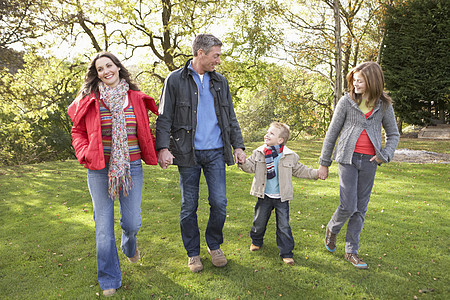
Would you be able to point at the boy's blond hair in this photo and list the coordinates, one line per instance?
(285, 133)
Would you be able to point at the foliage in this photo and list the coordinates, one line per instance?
(303, 101)
(33, 114)
(254, 31)
(19, 20)
(300, 99)
(311, 42)
(153, 37)
(48, 237)
(416, 60)
(158, 31)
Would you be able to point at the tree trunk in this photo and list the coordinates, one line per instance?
(400, 125)
(337, 55)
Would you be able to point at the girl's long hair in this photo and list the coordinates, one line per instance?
(91, 80)
(373, 75)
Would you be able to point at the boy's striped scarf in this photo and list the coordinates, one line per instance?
(119, 175)
(270, 153)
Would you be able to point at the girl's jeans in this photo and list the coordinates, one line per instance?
(356, 182)
(108, 267)
(263, 210)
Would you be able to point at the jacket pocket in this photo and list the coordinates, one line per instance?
(287, 167)
(181, 139)
(183, 114)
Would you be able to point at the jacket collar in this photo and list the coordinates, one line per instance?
(79, 107)
(187, 71)
(355, 105)
(286, 150)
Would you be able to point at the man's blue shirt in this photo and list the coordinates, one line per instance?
(208, 134)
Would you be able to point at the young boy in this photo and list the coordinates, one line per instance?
(274, 164)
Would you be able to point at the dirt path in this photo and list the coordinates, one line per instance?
(421, 157)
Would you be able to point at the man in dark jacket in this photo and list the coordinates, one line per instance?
(195, 130)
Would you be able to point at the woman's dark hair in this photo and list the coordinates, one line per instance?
(91, 80)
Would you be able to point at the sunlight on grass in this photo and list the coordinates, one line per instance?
(48, 237)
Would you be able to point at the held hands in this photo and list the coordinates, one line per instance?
(165, 158)
(323, 172)
(239, 156)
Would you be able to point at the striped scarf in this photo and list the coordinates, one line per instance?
(269, 154)
(119, 175)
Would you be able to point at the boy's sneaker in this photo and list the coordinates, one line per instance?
(195, 264)
(288, 261)
(218, 259)
(330, 241)
(254, 247)
(355, 260)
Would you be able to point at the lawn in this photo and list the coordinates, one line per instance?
(48, 240)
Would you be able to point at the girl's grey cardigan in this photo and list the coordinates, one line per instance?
(348, 123)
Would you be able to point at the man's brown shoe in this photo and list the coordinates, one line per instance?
(330, 241)
(135, 258)
(195, 264)
(355, 260)
(109, 292)
(288, 261)
(217, 257)
(254, 247)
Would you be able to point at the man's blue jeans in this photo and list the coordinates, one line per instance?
(263, 210)
(213, 164)
(108, 267)
(356, 182)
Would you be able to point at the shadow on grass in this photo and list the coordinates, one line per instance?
(48, 238)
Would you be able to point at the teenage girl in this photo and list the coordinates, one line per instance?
(357, 121)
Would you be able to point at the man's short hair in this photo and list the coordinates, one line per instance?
(285, 133)
(206, 42)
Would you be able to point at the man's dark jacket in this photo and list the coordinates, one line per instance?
(177, 120)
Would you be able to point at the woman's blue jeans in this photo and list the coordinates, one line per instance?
(356, 182)
(108, 267)
(263, 210)
(213, 164)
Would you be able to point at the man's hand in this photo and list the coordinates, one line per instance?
(239, 155)
(165, 158)
(323, 172)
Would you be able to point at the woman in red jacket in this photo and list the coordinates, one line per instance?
(111, 135)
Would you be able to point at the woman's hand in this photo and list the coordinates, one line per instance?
(165, 158)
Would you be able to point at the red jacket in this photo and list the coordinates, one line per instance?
(87, 135)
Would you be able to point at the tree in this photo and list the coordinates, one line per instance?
(416, 60)
(337, 55)
(33, 110)
(288, 95)
(160, 31)
(19, 20)
(314, 24)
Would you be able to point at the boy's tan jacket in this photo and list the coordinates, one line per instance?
(288, 166)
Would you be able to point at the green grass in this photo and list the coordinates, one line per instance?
(48, 241)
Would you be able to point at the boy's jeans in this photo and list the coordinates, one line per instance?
(263, 210)
(108, 267)
(356, 182)
(213, 164)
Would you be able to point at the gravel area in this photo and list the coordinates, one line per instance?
(421, 157)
